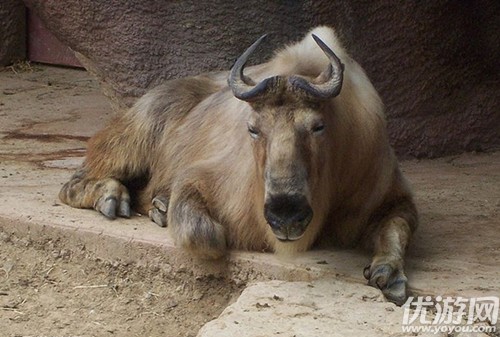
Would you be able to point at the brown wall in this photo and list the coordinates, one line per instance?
(44, 47)
(435, 63)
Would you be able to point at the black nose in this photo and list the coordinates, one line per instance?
(287, 212)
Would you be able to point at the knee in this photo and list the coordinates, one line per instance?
(199, 234)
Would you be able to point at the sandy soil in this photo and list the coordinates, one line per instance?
(47, 290)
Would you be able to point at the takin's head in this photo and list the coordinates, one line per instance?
(288, 128)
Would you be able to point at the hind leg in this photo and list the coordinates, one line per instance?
(115, 155)
(107, 196)
(127, 148)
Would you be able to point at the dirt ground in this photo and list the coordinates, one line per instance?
(49, 288)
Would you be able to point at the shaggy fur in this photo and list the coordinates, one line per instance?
(201, 173)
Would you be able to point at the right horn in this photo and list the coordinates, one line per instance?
(332, 77)
(242, 86)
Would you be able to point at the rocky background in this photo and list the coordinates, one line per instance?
(435, 63)
(12, 32)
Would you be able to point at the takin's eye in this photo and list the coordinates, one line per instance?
(253, 131)
(318, 128)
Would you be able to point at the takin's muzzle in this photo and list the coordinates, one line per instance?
(288, 215)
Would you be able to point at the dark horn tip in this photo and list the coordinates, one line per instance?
(329, 52)
(315, 37)
(323, 45)
(263, 37)
(258, 42)
(319, 41)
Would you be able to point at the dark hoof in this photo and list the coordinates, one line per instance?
(159, 211)
(111, 208)
(108, 207)
(161, 203)
(157, 217)
(124, 210)
(391, 281)
(114, 200)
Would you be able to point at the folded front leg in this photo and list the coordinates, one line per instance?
(191, 223)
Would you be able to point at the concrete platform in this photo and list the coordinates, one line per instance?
(47, 114)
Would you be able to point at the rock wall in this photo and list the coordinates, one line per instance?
(12, 32)
(434, 63)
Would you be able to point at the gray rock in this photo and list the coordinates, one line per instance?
(435, 63)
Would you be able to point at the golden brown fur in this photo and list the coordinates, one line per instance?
(188, 141)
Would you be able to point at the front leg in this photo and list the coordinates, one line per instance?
(107, 196)
(386, 271)
(392, 226)
(191, 223)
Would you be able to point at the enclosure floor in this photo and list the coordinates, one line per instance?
(47, 114)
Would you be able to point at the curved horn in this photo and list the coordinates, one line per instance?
(242, 86)
(332, 77)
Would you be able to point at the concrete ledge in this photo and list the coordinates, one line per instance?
(322, 308)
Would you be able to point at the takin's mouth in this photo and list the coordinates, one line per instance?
(287, 238)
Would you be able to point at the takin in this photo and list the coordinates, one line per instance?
(280, 157)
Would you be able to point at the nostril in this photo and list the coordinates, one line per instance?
(285, 210)
(273, 220)
(303, 215)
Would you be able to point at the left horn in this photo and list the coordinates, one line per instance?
(332, 77)
(242, 86)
